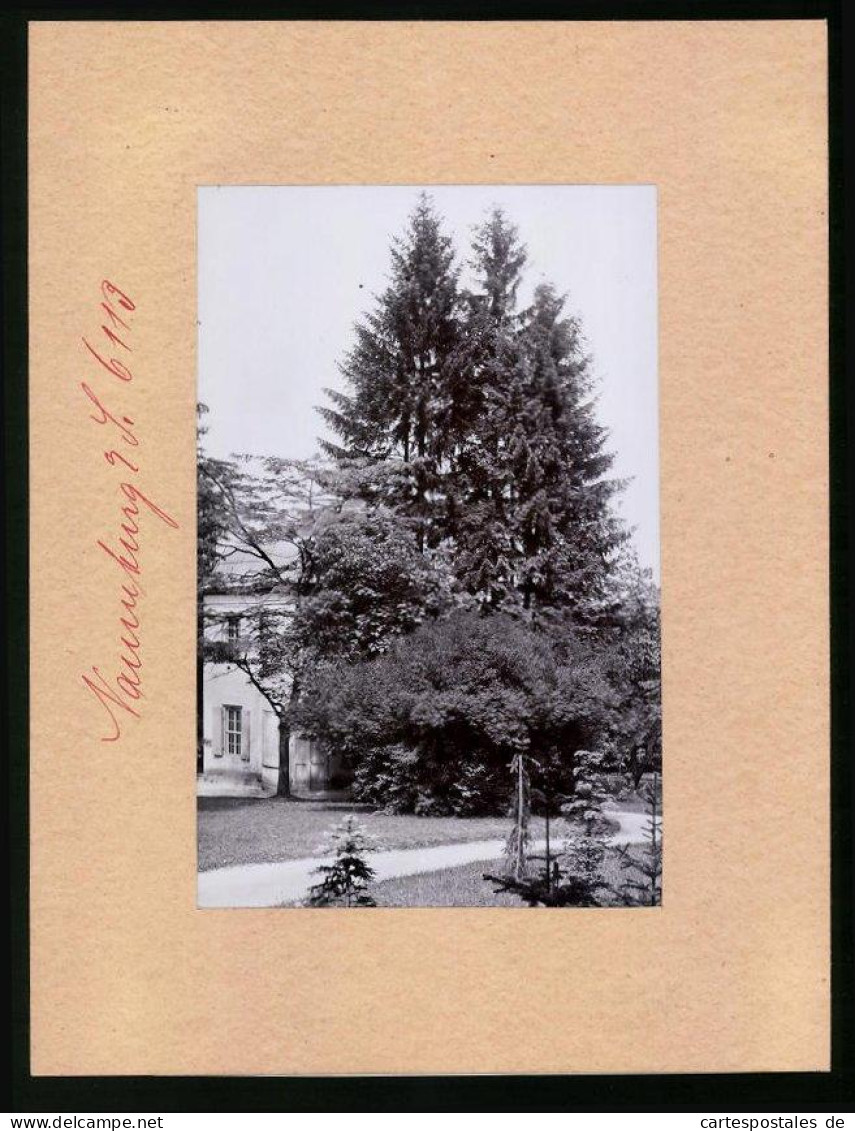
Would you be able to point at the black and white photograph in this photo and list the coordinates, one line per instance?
(428, 620)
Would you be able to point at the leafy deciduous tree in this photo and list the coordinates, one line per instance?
(269, 513)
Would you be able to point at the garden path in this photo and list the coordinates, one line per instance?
(287, 881)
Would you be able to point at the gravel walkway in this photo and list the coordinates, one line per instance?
(271, 885)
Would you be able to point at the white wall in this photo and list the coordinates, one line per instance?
(226, 685)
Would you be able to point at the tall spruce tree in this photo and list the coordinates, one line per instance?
(474, 422)
(567, 530)
(491, 364)
(398, 409)
(535, 525)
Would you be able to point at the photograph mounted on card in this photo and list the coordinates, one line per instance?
(428, 513)
(428, 547)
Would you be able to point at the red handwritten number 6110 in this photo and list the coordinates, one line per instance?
(109, 291)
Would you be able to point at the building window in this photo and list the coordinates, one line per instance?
(234, 743)
(233, 629)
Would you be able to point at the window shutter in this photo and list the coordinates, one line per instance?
(222, 734)
(245, 717)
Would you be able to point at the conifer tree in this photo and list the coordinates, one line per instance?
(566, 528)
(585, 846)
(575, 878)
(474, 423)
(345, 881)
(533, 495)
(490, 356)
(643, 885)
(398, 408)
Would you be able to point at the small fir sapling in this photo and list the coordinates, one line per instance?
(643, 885)
(345, 880)
(585, 845)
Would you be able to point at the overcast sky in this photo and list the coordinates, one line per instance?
(284, 273)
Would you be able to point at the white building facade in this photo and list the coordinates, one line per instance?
(240, 729)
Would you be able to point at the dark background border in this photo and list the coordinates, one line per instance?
(784, 1093)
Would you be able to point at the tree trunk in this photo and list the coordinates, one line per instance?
(283, 786)
(519, 862)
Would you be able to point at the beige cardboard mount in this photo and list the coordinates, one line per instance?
(728, 120)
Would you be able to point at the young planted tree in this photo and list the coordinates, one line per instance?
(517, 844)
(550, 769)
(643, 884)
(574, 877)
(585, 846)
(344, 882)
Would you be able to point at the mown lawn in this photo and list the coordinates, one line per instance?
(464, 887)
(242, 831)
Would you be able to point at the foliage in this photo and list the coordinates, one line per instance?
(585, 846)
(258, 523)
(574, 877)
(534, 524)
(643, 884)
(558, 891)
(270, 513)
(210, 532)
(372, 585)
(436, 721)
(474, 421)
(398, 410)
(345, 881)
(212, 520)
(635, 670)
(449, 593)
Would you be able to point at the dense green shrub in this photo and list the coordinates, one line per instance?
(433, 725)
